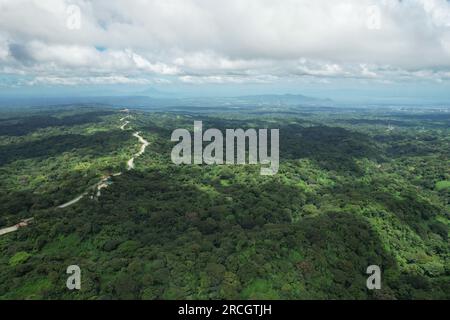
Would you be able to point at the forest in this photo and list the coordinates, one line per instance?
(357, 186)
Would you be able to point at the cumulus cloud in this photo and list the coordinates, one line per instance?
(198, 41)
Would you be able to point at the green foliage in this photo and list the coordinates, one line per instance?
(349, 194)
(442, 185)
(19, 258)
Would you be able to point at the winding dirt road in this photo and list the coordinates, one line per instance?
(130, 166)
(22, 224)
(144, 144)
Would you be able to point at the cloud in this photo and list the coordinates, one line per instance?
(83, 57)
(199, 41)
(222, 79)
(72, 81)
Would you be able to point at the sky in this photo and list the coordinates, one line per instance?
(374, 50)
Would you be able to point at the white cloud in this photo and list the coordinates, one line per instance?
(438, 11)
(72, 81)
(234, 41)
(222, 79)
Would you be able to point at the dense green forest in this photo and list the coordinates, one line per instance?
(356, 187)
